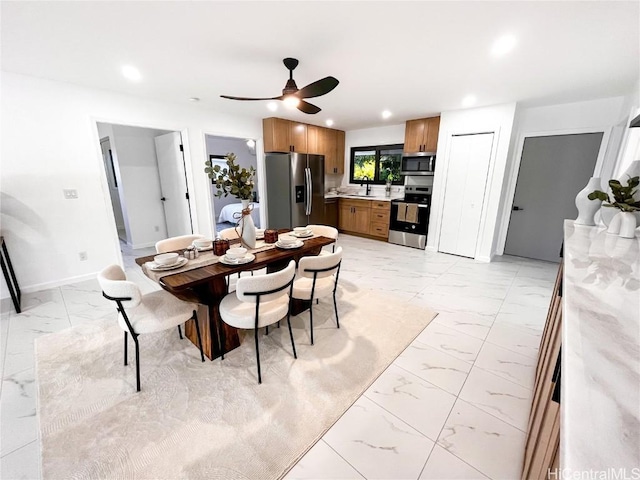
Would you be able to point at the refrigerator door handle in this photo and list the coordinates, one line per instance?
(307, 175)
(309, 191)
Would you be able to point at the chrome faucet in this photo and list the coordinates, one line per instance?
(368, 184)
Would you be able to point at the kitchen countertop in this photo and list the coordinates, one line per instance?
(379, 198)
(600, 379)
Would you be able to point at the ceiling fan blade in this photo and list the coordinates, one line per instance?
(316, 89)
(246, 98)
(307, 107)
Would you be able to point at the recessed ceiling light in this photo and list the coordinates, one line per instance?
(273, 106)
(251, 143)
(194, 99)
(329, 122)
(503, 45)
(131, 73)
(469, 101)
(386, 114)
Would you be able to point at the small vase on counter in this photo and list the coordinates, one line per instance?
(627, 224)
(587, 208)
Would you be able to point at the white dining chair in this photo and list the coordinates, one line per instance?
(258, 302)
(149, 313)
(325, 231)
(228, 234)
(317, 277)
(176, 243)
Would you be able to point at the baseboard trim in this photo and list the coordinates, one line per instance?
(484, 258)
(143, 245)
(38, 287)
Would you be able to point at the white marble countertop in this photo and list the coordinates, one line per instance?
(600, 379)
(380, 198)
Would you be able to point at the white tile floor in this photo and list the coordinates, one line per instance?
(454, 404)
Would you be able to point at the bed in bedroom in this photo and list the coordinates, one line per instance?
(227, 213)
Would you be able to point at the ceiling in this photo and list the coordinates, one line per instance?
(414, 58)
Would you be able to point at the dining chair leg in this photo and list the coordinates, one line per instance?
(195, 319)
(293, 345)
(135, 339)
(258, 356)
(311, 320)
(335, 305)
(266, 330)
(180, 332)
(126, 343)
(221, 338)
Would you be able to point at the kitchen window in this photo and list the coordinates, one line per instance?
(376, 164)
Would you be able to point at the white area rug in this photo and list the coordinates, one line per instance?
(210, 420)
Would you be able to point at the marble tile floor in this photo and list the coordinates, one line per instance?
(453, 405)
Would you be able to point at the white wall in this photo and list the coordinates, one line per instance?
(140, 190)
(50, 142)
(367, 137)
(608, 115)
(497, 119)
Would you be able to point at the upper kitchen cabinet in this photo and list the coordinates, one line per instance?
(284, 136)
(333, 151)
(421, 135)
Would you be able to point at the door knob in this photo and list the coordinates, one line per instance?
(163, 199)
(516, 208)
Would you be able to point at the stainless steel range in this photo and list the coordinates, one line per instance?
(409, 221)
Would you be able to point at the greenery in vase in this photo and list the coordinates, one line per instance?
(233, 179)
(623, 196)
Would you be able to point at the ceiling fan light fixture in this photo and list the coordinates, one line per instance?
(291, 101)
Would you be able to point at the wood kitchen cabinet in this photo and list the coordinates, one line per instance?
(355, 216)
(335, 154)
(380, 213)
(365, 217)
(282, 135)
(421, 135)
(543, 434)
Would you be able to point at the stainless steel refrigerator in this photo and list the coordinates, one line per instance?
(295, 189)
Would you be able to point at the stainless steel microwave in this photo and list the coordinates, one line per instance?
(418, 164)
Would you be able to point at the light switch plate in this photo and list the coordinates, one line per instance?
(70, 194)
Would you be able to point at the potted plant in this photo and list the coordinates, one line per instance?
(239, 182)
(624, 200)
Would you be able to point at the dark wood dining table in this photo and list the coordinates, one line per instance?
(207, 285)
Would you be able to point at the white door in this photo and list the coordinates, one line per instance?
(173, 183)
(466, 182)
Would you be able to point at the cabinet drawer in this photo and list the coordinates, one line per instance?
(379, 229)
(351, 202)
(381, 205)
(380, 216)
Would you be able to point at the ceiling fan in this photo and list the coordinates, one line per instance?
(293, 96)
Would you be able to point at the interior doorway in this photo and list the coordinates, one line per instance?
(225, 211)
(552, 171)
(148, 188)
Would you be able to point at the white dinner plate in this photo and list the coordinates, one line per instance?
(249, 257)
(210, 247)
(302, 235)
(160, 268)
(297, 244)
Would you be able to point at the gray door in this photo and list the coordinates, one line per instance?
(553, 170)
(316, 173)
(278, 181)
